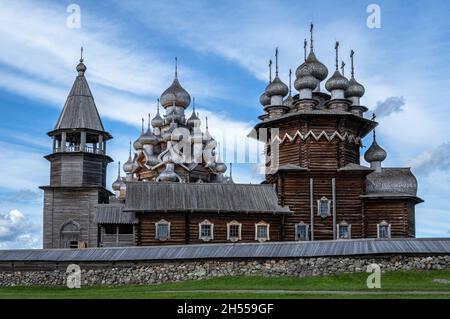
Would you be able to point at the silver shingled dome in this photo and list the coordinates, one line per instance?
(337, 82)
(264, 99)
(175, 93)
(128, 166)
(316, 68)
(117, 183)
(148, 138)
(375, 153)
(157, 121)
(306, 82)
(193, 120)
(354, 89)
(277, 87)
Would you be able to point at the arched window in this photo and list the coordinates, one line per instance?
(323, 207)
(70, 235)
(384, 230)
(234, 230)
(206, 230)
(262, 231)
(162, 230)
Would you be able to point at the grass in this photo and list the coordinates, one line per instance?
(412, 284)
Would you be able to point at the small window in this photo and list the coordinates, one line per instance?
(234, 231)
(384, 230)
(162, 230)
(206, 230)
(301, 231)
(110, 229)
(126, 229)
(262, 231)
(323, 207)
(344, 230)
(73, 245)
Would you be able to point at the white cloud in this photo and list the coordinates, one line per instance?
(17, 231)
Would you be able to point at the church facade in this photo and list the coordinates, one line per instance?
(175, 189)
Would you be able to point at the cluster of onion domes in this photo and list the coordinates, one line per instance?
(309, 75)
(156, 147)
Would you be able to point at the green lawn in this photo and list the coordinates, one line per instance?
(393, 285)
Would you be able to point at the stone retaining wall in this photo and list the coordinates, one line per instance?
(153, 273)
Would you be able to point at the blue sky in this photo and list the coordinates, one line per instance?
(223, 48)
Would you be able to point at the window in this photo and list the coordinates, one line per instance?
(126, 229)
(384, 230)
(206, 230)
(162, 230)
(262, 231)
(73, 245)
(323, 207)
(301, 231)
(234, 231)
(344, 230)
(110, 229)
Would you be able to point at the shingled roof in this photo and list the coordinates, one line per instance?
(80, 111)
(207, 197)
(113, 214)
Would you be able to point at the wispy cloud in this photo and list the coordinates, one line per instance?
(435, 160)
(393, 104)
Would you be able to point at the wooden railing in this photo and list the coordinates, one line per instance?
(78, 148)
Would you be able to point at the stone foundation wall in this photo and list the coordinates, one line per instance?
(154, 273)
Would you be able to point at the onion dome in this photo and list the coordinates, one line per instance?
(316, 68)
(206, 136)
(264, 99)
(175, 94)
(157, 121)
(128, 165)
(306, 81)
(148, 138)
(193, 120)
(81, 67)
(118, 181)
(137, 144)
(354, 89)
(277, 87)
(337, 82)
(375, 153)
(168, 175)
(220, 166)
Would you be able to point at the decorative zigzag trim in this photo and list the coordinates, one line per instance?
(349, 137)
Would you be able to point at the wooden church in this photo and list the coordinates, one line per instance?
(315, 186)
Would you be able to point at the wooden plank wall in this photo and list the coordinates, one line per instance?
(178, 230)
(399, 213)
